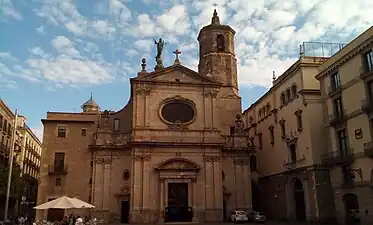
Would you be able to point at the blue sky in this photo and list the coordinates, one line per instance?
(54, 53)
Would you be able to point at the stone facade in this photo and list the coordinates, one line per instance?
(179, 127)
(313, 132)
(346, 90)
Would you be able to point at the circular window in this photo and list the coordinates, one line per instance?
(177, 111)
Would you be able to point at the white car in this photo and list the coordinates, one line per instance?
(239, 216)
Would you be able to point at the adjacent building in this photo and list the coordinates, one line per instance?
(285, 126)
(29, 161)
(26, 162)
(176, 152)
(313, 133)
(346, 81)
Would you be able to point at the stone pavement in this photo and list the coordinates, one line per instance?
(229, 223)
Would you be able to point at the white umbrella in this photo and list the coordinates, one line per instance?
(65, 202)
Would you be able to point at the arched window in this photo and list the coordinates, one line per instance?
(220, 43)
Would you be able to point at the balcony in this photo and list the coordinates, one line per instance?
(57, 170)
(337, 157)
(292, 165)
(368, 149)
(366, 106)
(336, 119)
(333, 90)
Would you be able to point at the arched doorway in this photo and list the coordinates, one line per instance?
(300, 205)
(255, 198)
(351, 203)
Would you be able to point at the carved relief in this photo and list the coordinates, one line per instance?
(211, 158)
(143, 90)
(177, 164)
(177, 126)
(142, 157)
(125, 190)
(240, 161)
(239, 125)
(213, 94)
(102, 160)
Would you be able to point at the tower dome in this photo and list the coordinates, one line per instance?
(90, 105)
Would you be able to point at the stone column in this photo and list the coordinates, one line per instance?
(218, 188)
(161, 201)
(213, 104)
(194, 202)
(210, 197)
(137, 189)
(207, 110)
(247, 185)
(146, 189)
(146, 110)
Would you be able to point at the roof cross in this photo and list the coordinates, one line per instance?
(177, 53)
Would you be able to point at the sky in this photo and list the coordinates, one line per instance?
(54, 53)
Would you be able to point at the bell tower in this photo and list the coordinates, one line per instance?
(216, 53)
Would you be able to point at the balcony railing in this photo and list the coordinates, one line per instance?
(368, 149)
(333, 90)
(337, 157)
(336, 119)
(290, 165)
(52, 169)
(366, 106)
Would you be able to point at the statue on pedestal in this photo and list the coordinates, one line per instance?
(158, 58)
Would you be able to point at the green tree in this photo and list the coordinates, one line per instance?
(17, 184)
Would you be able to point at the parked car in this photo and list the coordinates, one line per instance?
(239, 216)
(257, 217)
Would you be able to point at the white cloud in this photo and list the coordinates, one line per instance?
(8, 11)
(41, 30)
(38, 131)
(65, 47)
(268, 35)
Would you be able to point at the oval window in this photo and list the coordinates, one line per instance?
(177, 112)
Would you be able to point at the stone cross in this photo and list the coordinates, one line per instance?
(177, 52)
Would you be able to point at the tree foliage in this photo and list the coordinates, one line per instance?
(17, 184)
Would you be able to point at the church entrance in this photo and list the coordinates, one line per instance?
(124, 211)
(178, 206)
(300, 204)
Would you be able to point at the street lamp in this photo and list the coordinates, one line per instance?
(13, 143)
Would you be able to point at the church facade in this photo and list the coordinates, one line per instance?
(176, 152)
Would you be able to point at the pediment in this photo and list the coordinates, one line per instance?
(179, 74)
(178, 164)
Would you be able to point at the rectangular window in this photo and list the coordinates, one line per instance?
(288, 95)
(116, 124)
(338, 107)
(283, 130)
(370, 90)
(299, 122)
(58, 182)
(90, 180)
(368, 61)
(59, 161)
(343, 142)
(1, 122)
(335, 82)
(61, 132)
(272, 133)
(84, 132)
